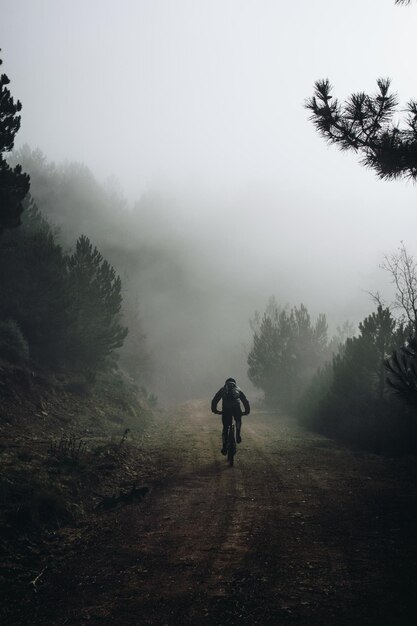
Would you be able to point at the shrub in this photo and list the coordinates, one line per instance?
(349, 399)
(13, 345)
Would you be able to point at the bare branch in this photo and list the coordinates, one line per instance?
(377, 299)
(403, 270)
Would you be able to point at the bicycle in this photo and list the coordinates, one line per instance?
(230, 441)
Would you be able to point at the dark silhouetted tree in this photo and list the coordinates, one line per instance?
(34, 286)
(350, 399)
(359, 373)
(67, 308)
(14, 184)
(402, 370)
(402, 365)
(381, 333)
(76, 203)
(96, 305)
(364, 123)
(402, 268)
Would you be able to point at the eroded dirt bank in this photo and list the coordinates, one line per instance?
(301, 531)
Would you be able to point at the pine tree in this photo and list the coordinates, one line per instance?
(401, 366)
(382, 333)
(96, 305)
(34, 286)
(287, 349)
(349, 397)
(365, 124)
(263, 359)
(402, 370)
(14, 184)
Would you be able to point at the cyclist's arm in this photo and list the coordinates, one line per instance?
(216, 400)
(245, 402)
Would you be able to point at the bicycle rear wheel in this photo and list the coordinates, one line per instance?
(231, 445)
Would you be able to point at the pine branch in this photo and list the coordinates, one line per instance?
(364, 124)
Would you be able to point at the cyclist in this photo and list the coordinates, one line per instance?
(231, 395)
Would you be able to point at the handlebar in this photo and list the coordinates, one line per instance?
(221, 413)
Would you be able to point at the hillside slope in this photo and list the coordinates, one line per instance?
(65, 446)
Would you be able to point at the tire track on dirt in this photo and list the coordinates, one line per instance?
(316, 560)
(206, 546)
(288, 535)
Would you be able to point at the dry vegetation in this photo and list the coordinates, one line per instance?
(68, 452)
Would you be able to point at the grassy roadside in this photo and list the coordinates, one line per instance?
(68, 452)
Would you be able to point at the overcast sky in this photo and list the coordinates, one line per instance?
(205, 98)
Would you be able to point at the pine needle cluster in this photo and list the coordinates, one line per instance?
(366, 124)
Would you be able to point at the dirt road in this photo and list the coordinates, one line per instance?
(301, 531)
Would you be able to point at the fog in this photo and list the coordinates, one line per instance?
(195, 109)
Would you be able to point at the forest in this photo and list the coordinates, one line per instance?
(64, 305)
(121, 314)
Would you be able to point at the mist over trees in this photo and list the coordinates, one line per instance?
(179, 306)
(73, 201)
(66, 307)
(57, 310)
(179, 302)
(349, 397)
(368, 393)
(359, 387)
(287, 349)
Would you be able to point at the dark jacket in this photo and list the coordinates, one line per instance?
(230, 404)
